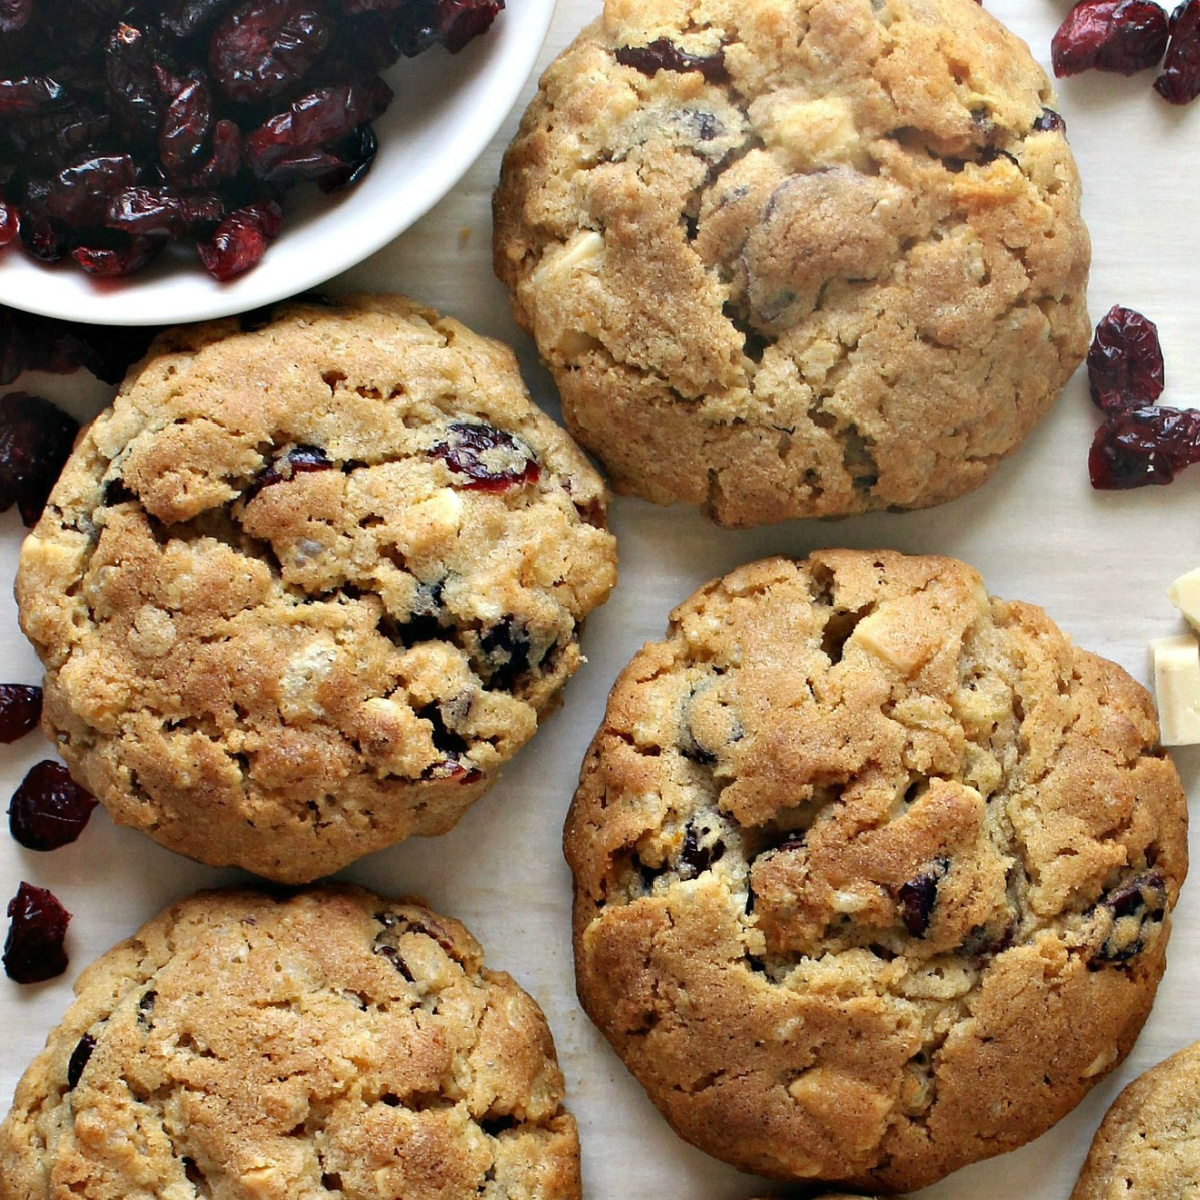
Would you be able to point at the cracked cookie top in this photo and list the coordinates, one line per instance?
(872, 872)
(1148, 1145)
(333, 1044)
(797, 258)
(310, 582)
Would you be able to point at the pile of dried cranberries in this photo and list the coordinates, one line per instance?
(129, 124)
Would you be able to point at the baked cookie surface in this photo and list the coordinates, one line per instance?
(795, 258)
(1148, 1145)
(872, 872)
(335, 1044)
(308, 585)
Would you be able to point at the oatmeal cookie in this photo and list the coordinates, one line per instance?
(333, 1044)
(1148, 1146)
(310, 582)
(872, 872)
(792, 258)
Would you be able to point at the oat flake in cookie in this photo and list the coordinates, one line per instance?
(794, 258)
(308, 585)
(336, 1044)
(872, 872)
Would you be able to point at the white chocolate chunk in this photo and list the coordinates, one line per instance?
(1176, 665)
(1184, 593)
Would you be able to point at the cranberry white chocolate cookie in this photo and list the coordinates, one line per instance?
(1148, 1145)
(310, 582)
(873, 872)
(791, 258)
(333, 1044)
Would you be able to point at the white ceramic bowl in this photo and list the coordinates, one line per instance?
(446, 110)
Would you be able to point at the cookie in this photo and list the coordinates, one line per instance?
(333, 1044)
(872, 872)
(1148, 1145)
(310, 583)
(793, 259)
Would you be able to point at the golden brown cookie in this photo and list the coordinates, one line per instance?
(794, 258)
(1148, 1145)
(334, 1044)
(872, 872)
(310, 582)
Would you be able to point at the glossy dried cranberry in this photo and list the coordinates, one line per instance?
(461, 21)
(317, 121)
(354, 159)
(35, 442)
(296, 461)
(1125, 362)
(133, 88)
(1125, 36)
(917, 897)
(186, 128)
(30, 94)
(45, 238)
(10, 222)
(1143, 446)
(20, 710)
(79, 194)
(182, 18)
(150, 211)
(665, 55)
(491, 458)
(33, 950)
(240, 240)
(1179, 82)
(111, 262)
(266, 47)
(49, 809)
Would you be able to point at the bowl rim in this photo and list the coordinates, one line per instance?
(486, 78)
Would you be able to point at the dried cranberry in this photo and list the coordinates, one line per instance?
(316, 121)
(29, 94)
(507, 648)
(79, 1059)
(1179, 82)
(240, 240)
(186, 17)
(150, 211)
(20, 710)
(266, 47)
(1125, 36)
(452, 769)
(1142, 446)
(49, 809)
(695, 859)
(1049, 122)
(33, 950)
(10, 222)
(111, 262)
(33, 343)
(354, 160)
(491, 458)
(664, 55)
(461, 21)
(79, 194)
(133, 90)
(1144, 897)
(186, 128)
(917, 897)
(296, 461)
(35, 442)
(44, 238)
(1125, 362)
(14, 15)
